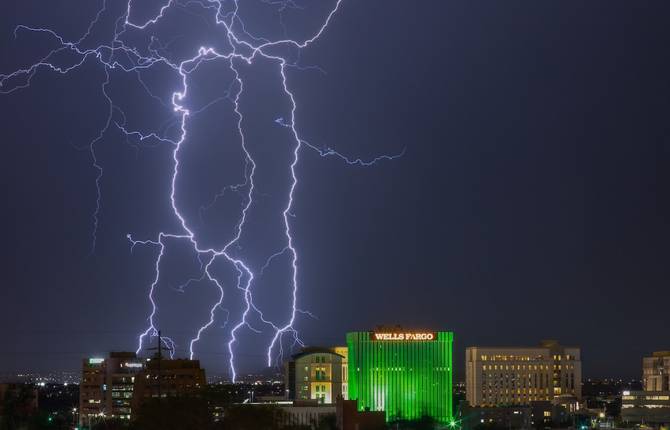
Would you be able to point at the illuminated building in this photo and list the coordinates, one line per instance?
(519, 376)
(656, 372)
(107, 384)
(92, 388)
(114, 387)
(317, 374)
(651, 406)
(344, 352)
(407, 374)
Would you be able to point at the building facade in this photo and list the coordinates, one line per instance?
(317, 374)
(406, 374)
(299, 415)
(168, 378)
(656, 372)
(647, 407)
(344, 352)
(114, 387)
(521, 375)
(122, 369)
(511, 417)
(651, 406)
(106, 388)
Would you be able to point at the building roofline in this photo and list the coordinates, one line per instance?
(521, 347)
(315, 350)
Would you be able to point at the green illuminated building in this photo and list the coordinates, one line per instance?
(407, 374)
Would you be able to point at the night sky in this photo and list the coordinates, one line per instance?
(531, 201)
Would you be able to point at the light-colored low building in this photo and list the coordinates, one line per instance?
(651, 406)
(646, 407)
(317, 374)
(344, 352)
(502, 376)
(92, 393)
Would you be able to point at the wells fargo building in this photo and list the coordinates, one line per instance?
(407, 374)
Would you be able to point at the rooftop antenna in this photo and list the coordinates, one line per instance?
(159, 349)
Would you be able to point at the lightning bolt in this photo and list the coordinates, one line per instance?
(120, 55)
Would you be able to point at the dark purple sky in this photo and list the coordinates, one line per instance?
(532, 200)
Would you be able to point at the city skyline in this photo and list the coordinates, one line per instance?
(521, 194)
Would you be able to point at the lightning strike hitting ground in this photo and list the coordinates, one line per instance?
(118, 54)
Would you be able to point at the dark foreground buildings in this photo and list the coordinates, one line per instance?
(106, 388)
(116, 386)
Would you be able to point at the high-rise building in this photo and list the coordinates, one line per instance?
(106, 388)
(521, 375)
(656, 372)
(650, 407)
(92, 389)
(114, 387)
(317, 374)
(122, 368)
(406, 373)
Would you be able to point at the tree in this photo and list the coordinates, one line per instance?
(328, 422)
(423, 423)
(111, 424)
(174, 413)
(17, 407)
(247, 417)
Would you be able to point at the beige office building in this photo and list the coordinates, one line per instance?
(317, 374)
(656, 372)
(344, 352)
(651, 406)
(497, 376)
